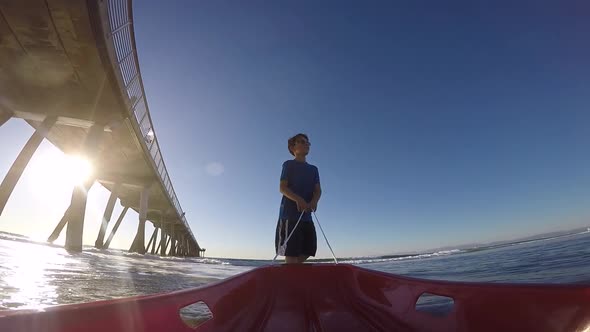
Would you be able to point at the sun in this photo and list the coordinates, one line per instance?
(56, 168)
(78, 168)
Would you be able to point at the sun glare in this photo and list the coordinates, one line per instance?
(29, 274)
(55, 168)
(78, 168)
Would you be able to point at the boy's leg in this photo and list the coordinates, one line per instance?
(309, 243)
(292, 260)
(293, 247)
(302, 258)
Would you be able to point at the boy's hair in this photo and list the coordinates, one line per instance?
(291, 142)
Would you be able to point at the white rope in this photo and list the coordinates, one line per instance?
(288, 237)
(325, 238)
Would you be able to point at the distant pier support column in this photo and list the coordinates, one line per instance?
(4, 116)
(173, 242)
(75, 228)
(17, 168)
(106, 218)
(138, 244)
(188, 249)
(182, 245)
(155, 235)
(64, 220)
(158, 248)
(115, 228)
(192, 251)
(168, 244)
(179, 240)
(163, 240)
(187, 246)
(152, 241)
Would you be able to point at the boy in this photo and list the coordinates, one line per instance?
(300, 186)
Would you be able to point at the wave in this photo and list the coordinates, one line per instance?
(13, 237)
(381, 259)
(210, 261)
(347, 260)
(220, 261)
(24, 239)
(528, 241)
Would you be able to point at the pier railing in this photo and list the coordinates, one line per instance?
(121, 34)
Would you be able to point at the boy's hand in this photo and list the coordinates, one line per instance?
(313, 206)
(302, 205)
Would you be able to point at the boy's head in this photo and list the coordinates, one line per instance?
(299, 144)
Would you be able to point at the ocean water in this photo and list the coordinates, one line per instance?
(35, 275)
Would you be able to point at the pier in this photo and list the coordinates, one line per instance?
(70, 70)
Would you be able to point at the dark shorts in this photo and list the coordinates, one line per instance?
(303, 242)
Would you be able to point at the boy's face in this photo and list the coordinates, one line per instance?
(301, 146)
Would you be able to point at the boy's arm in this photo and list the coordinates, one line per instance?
(284, 188)
(317, 192)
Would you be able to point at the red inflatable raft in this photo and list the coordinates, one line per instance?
(324, 297)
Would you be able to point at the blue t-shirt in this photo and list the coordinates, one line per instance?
(301, 179)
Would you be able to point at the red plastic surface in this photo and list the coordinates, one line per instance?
(324, 297)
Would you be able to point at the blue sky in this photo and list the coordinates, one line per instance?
(431, 125)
